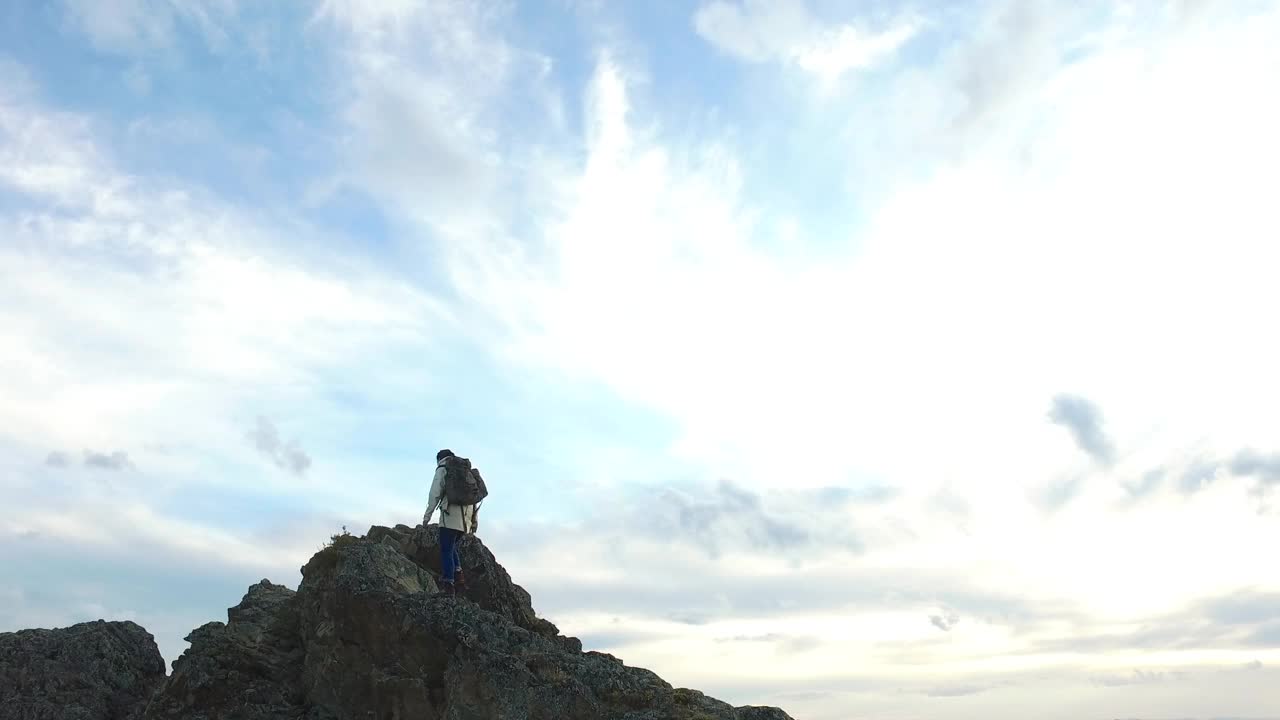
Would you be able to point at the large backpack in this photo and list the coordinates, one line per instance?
(462, 483)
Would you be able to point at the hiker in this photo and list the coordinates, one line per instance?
(457, 490)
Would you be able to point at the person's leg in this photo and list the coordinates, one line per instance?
(459, 577)
(448, 554)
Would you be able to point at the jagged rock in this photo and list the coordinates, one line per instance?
(246, 668)
(368, 636)
(91, 671)
(760, 712)
(488, 584)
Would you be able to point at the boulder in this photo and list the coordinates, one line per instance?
(91, 671)
(487, 583)
(246, 668)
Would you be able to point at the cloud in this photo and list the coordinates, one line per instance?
(1084, 421)
(1058, 493)
(287, 456)
(438, 108)
(123, 25)
(139, 26)
(948, 691)
(1151, 482)
(1238, 620)
(1244, 607)
(1198, 475)
(648, 201)
(58, 459)
(158, 368)
(1265, 468)
(638, 208)
(111, 560)
(807, 363)
(714, 566)
(731, 517)
(944, 622)
(785, 31)
(107, 461)
(1267, 636)
(1016, 46)
(770, 637)
(786, 644)
(1137, 677)
(1249, 464)
(702, 596)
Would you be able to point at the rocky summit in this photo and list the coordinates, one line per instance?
(366, 636)
(91, 671)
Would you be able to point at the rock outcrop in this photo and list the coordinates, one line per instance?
(368, 636)
(488, 584)
(91, 671)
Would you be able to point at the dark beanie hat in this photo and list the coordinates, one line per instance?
(444, 454)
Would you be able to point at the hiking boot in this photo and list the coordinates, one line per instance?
(459, 581)
(447, 588)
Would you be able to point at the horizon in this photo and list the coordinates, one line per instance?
(895, 360)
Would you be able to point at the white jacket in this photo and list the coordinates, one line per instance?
(460, 518)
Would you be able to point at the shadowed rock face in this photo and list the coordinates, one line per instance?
(368, 636)
(488, 584)
(91, 671)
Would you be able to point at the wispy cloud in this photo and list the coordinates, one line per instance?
(787, 32)
(202, 294)
(58, 459)
(1137, 677)
(1248, 465)
(138, 26)
(944, 622)
(116, 460)
(1198, 474)
(286, 455)
(1150, 482)
(1251, 463)
(947, 691)
(95, 460)
(1083, 420)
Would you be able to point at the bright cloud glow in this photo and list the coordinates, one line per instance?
(786, 31)
(938, 393)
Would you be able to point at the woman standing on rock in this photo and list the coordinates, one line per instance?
(457, 490)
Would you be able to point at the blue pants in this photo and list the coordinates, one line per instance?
(450, 562)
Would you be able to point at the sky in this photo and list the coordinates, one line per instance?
(901, 360)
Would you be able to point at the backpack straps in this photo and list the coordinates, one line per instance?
(444, 488)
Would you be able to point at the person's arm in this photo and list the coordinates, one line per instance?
(437, 484)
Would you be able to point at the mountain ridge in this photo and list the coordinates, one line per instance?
(366, 635)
